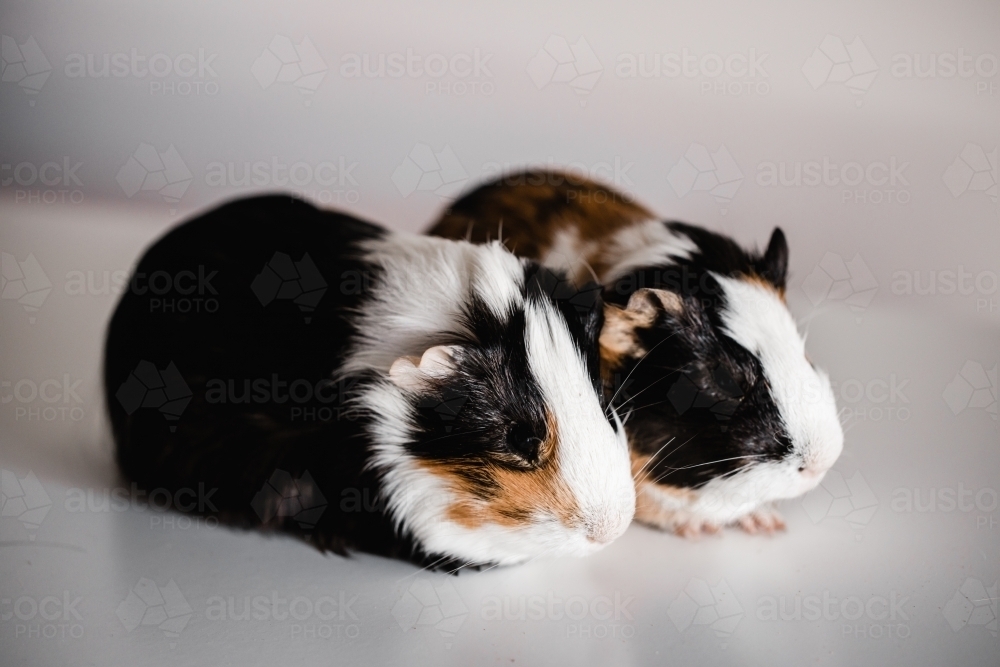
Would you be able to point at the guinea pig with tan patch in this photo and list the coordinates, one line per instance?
(724, 411)
(399, 394)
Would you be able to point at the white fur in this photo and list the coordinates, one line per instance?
(756, 318)
(649, 243)
(593, 459)
(424, 282)
(569, 254)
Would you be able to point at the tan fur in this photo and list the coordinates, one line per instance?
(518, 491)
(618, 341)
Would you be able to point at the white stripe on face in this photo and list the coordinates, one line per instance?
(593, 459)
(756, 318)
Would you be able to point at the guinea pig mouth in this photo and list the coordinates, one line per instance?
(600, 539)
(809, 478)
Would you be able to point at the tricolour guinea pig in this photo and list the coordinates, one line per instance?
(398, 394)
(700, 355)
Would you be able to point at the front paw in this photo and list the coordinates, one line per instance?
(693, 527)
(765, 520)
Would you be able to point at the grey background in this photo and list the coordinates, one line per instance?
(854, 247)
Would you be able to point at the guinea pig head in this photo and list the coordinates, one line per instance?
(504, 449)
(716, 389)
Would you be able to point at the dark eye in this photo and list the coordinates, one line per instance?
(522, 440)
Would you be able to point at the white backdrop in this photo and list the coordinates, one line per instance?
(869, 133)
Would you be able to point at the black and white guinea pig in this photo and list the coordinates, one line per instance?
(700, 355)
(404, 395)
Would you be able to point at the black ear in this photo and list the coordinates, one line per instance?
(773, 265)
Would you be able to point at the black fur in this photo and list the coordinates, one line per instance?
(696, 385)
(696, 388)
(196, 398)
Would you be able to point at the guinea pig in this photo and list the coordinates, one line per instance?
(724, 411)
(415, 397)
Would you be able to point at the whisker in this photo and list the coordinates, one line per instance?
(644, 357)
(653, 457)
(698, 465)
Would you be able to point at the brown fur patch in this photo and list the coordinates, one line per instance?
(520, 494)
(530, 209)
(650, 509)
(618, 341)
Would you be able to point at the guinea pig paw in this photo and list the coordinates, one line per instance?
(764, 520)
(695, 527)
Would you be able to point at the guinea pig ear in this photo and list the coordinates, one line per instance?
(773, 266)
(412, 374)
(618, 336)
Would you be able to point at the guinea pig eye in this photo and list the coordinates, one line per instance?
(522, 441)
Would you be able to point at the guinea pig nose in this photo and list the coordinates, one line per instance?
(810, 472)
(599, 537)
(603, 532)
